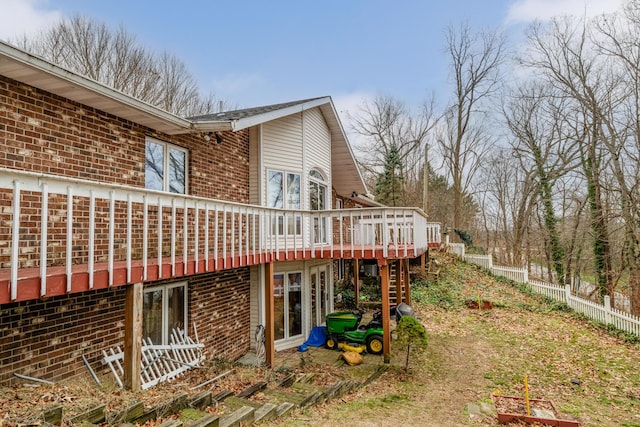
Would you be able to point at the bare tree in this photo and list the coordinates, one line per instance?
(564, 57)
(616, 38)
(510, 194)
(463, 141)
(388, 130)
(116, 59)
(535, 118)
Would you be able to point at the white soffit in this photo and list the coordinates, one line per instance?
(31, 70)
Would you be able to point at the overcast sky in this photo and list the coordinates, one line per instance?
(262, 52)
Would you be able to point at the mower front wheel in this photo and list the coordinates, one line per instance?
(374, 344)
(332, 342)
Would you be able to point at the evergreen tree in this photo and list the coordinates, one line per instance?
(389, 185)
(412, 335)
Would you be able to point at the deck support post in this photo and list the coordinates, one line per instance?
(407, 282)
(356, 281)
(133, 337)
(386, 324)
(269, 328)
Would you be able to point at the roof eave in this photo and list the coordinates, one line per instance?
(213, 126)
(34, 71)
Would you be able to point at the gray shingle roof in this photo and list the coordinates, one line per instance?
(248, 112)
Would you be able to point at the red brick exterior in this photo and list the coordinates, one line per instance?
(46, 339)
(41, 132)
(45, 133)
(219, 305)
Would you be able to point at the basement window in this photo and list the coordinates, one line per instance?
(164, 309)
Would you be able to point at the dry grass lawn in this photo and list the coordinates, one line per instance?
(473, 353)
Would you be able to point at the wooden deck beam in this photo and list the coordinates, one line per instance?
(386, 324)
(269, 327)
(407, 282)
(132, 362)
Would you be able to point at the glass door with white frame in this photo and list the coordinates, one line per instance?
(320, 294)
(287, 304)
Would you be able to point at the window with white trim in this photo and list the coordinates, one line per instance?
(164, 308)
(283, 192)
(318, 202)
(165, 167)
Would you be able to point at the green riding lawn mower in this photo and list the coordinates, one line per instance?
(345, 327)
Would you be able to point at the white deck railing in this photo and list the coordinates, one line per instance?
(434, 231)
(86, 223)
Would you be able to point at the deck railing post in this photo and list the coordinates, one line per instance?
(15, 239)
(44, 215)
(69, 239)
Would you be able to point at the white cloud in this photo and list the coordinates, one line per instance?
(20, 17)
(523, 11)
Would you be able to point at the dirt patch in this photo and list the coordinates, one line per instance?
(436, 390)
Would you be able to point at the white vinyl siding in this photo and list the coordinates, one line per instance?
(297, 143)
(317, 143)
(255, 165)
(282, 145)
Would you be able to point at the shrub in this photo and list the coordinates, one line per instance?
(347, 295)
(412, 334)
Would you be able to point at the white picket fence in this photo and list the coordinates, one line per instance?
(456, 248)
(601, 313)
(484, 261)
(159, 362)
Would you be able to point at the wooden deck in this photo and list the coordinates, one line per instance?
(115, 233)
(57, 283)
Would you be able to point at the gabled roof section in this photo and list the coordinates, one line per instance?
(242, 119)
(345, 172)
(37, 72)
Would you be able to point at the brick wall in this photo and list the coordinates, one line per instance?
(45, 133)
(41, 132)
(46, 339)
(219, 305)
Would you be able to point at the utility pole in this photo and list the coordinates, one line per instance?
(425, 179)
